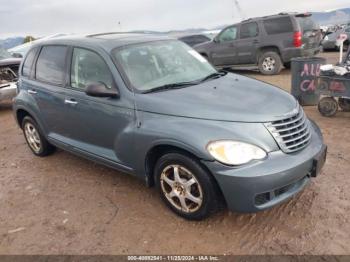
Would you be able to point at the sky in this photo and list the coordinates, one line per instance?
(48, 17)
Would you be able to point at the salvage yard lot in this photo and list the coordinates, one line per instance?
(64, 204)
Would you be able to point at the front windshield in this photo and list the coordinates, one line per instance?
(154, 64)
(4, 54)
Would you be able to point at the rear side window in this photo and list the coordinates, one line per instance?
(50, 66)
(89, 68)
(28, 63)
(307, 24)
(249, 30)
(278, 25)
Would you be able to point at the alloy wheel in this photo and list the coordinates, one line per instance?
(181, 188)
(269, 64)
(33, 137)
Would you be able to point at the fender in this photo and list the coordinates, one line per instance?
(33, 111)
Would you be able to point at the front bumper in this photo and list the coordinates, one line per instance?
(266, 183)
(8, 92)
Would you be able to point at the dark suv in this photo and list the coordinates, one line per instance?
(267, 42)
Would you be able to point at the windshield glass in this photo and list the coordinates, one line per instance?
(155, 64)
(4, 54)
(307, 24)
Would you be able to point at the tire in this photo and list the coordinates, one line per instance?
(270, 63)
(203, 188)
(344, 104)
(35, 138)
(287, 65)
(328, 106)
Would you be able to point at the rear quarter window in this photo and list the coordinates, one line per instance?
(28, 62)
(50, 66)
(307, 24)
(278, 25)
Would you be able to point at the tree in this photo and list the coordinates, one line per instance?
(28, 38)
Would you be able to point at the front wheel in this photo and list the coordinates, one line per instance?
(270, 63)
(185, 186)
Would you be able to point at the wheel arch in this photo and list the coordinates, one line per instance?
(159, 150)
(21, 114)
(265, 49)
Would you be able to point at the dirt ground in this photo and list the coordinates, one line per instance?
(64, 204)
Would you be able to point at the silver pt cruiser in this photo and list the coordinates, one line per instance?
(153, 107)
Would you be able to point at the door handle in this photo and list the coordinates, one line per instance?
(256, 41)
(32, 92)
(70, 102)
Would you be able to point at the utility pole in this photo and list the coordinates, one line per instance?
(238, 7)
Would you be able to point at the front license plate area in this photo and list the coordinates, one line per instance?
(318, 162)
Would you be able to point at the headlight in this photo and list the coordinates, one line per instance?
(234, 153)
(326, 37)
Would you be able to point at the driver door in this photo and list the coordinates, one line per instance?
(225, 50)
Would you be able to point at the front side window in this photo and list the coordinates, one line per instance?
(249, 30)
(28, 63)
(50, 66)
(89, 68)
(228, 34)
(155, 64)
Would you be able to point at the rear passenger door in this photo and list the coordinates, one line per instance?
(48, 90)
(248, 42)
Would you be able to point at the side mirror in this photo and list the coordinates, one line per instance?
(216, 39)
(100, 90)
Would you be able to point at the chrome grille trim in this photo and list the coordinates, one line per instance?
(292, 133)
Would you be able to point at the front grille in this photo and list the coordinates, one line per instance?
(292, 133)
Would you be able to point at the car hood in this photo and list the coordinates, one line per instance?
(203, 46)
(228, 98)
(10, 61)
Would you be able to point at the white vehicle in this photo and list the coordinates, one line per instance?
(8, 75)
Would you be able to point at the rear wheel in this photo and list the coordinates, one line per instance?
(185, 186)
(270, 63)
(35, 138)
(328, 106)
(344, 104)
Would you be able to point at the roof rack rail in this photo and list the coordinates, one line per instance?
(111, 33)
(246, 20)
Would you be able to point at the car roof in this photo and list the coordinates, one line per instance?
(277, 15)
(107, 41)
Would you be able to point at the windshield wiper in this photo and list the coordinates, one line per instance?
(214, 75)
(170, 86)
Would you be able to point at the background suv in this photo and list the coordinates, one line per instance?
(267, 42)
